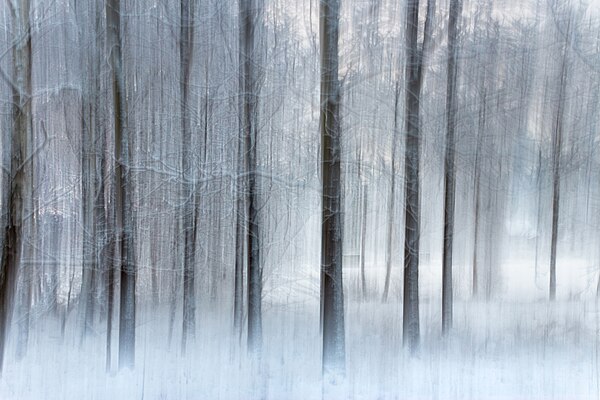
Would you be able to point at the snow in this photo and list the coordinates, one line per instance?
(497, 350)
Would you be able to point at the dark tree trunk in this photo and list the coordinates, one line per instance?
(189, 214)
(332, 291)
(250, 11)
(556, 155)
(414, 81)
(450, 174)
(89, 196)
(123, 211)
(17, 195)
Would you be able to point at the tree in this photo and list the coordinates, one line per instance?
(392, 198)
(92, 176)
(449, 165)
(557, 139)
(416, 53)
(363, 197)
(332, 290)
(123, 209)
(477, 187)
(250, 10)
(20, 145)
(189, 192)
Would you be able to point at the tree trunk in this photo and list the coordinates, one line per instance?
(538, 216)
(414, 80)
(363, 237)
(250, 11)
(109, 249)
(90, 181)
(110, 292)
(124, 217)
(17, 195)
(450, 174)
(88, 160)
(189, 214)
(240, 219)
(391, 201)
(556, 155)
(238, 289)
(363, 198)
(332, 293)
(477, 189)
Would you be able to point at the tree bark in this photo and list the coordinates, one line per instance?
(332, 293)
(414, 80)
(123, 210)
(20, 143)
(363, 239)
(450, 173)
(556, 155)
(90, 193)
(250, 10)
(189, 209)
(392, 200)
(363, 198)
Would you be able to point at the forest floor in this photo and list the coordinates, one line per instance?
(497, 350)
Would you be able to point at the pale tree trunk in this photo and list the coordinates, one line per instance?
(391, 201)
(414, 80)
(109, 250)
(477, 185)
(189, 209)
(450, 173)
(363, 239)
(363, 197)
(20, 143)
(105, 214)
(240, 205)
(123, 211)
(110, 291)
(332, 291)
(539, 215)
(89, 226)
(238, 289)
(477, 200)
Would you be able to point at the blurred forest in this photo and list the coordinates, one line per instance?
(299, 199)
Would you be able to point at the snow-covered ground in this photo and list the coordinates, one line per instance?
(498, 350)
